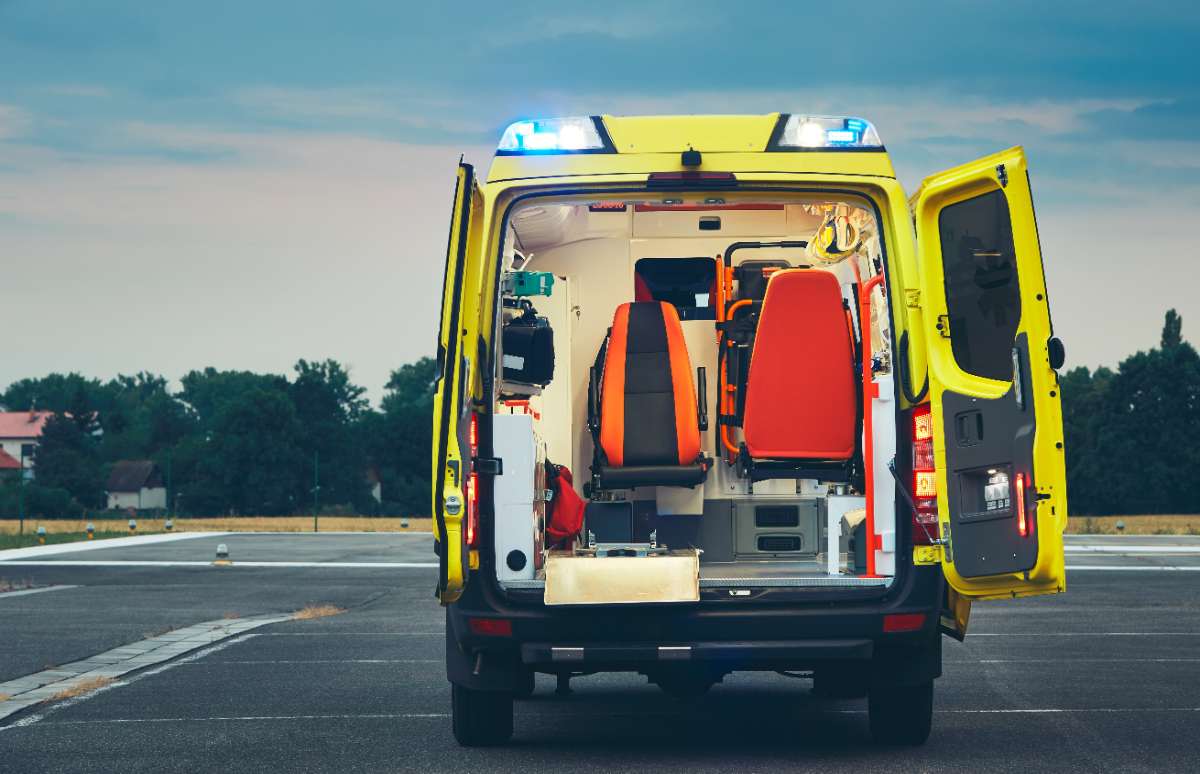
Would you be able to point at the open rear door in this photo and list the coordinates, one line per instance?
(998, 438)
(451, 404)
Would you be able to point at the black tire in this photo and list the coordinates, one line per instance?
(524, 685)
(901, 714)
(481, 718)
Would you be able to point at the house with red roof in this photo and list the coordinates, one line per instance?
(20, 434)
(9, 465)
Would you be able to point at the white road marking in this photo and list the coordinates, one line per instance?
(23, 592)
(340, 661)
(1050, 710)
(234, 564)
(352, 634)
(252, 718)
(47, 685)
(1083, 634)
(586, 715)
(52, 708)
(1073, 661)
(1135, 549)
(94, 545)
(1133, 568)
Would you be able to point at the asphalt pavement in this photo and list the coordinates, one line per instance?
(1102, 678)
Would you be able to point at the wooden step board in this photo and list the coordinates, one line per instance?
(622, 580)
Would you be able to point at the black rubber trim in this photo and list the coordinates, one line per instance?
(904, 568)
(906, 374)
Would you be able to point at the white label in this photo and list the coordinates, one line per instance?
(515, 362)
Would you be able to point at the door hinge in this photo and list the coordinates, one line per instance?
(927, 554)
(1002, 175)
(912, 298)
(491, 466)
(943, 325)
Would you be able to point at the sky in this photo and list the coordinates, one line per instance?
(245, 184)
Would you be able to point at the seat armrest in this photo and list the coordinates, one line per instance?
(702, 398)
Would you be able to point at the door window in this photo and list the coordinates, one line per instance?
(982, 292)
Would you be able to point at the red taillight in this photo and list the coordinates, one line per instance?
(490, 627)
(472, 493)
(903, 622)
(924, 486)
(1024, 526)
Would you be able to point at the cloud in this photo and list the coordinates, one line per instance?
(287, 245)
(77, 90)
(14, 121)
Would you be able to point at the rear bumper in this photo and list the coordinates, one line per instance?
(722, 637)
(743, 654)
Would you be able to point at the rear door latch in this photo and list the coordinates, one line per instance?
(491, 466)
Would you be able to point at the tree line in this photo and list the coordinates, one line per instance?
(232, 442)
(1131, 434)
(236, 442)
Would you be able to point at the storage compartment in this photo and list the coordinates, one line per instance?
(519, 497)
(785, 530)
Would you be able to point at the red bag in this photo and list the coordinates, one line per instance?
(564, 519)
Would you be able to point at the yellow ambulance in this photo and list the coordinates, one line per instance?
(714, 394)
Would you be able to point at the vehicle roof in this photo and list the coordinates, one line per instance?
(727, 143)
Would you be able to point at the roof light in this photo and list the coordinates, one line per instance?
(797, 132)
(576, 134)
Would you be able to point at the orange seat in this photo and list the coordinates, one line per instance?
(642, 403)
(801, 391)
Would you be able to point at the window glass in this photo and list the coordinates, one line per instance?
(982, 291)
(687, 283)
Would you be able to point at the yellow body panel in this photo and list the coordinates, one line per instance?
(937, 192)
(450, 460)
(737, 144)
(707, 134)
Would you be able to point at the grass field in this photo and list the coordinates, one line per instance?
(13, 540)
(227, 524)
(1183, 524)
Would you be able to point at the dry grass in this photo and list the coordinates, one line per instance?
(79, 689)
(230, 524)
(4, 697)
(308, 612)
(1183, 524)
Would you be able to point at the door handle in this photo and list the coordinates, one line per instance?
(1057, 352)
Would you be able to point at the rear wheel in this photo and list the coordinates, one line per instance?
(901, 714)
(481, 718)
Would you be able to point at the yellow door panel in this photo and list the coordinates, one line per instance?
(451, 454)
(994, 395)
